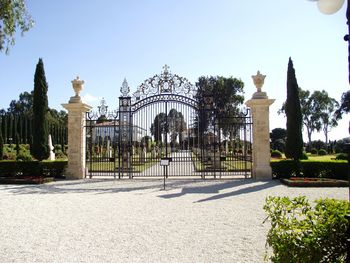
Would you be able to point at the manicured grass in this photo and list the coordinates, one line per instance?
(105, 166)
(329, 157)
(229, 165)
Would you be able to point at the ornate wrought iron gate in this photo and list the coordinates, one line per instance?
(163, 121)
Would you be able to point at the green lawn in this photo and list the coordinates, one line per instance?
(329, 157)
(229, 165)
(105, 166)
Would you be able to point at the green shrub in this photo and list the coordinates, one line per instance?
(53, 168)
(24, 156)
(283, 168)
(301, 232)
(313, 169)
(33, 168)
(60, 155)
(276, 154)
(57, 147)
(304, 156)
(342, 156)
(7, 168)
(314, 151)
(322, 152)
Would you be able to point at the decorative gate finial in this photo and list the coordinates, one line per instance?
(103, 108)
(125, 88)
(166, 69)
(258, 80)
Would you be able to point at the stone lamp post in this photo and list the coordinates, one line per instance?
(76, 132)
(259, 105)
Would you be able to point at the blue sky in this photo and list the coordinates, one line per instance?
(106, 41)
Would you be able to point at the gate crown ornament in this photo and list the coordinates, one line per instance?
(165, 83)
(125, 88)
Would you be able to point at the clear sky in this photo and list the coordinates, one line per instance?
(105, 41)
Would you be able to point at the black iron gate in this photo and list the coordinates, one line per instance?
(162, 123)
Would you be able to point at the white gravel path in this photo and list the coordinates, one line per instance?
(135, 221)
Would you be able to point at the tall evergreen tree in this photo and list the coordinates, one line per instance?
(294, 141)
(40, 149)
(1, 146)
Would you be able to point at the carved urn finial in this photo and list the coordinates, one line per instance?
(77, 86)
(258, 80)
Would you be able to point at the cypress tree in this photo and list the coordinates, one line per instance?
(17, 144)
(40, 149)
(294, 141)
(25, 129)
(10, 132)
(5, 128)
(1, 146)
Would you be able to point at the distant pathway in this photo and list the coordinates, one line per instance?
(181, 165)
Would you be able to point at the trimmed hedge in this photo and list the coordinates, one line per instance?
(312, 169)
(32, 168)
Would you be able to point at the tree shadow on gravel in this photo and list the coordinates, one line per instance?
(238, 187)
(105, 186)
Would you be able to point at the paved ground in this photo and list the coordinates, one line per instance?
(135, 221)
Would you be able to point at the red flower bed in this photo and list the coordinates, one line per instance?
(314, 182)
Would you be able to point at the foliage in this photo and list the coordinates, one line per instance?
(24, 156)
(340, 145)
(13, 16)
(301, 232)
(40, 149)
(342, 156)
(324, 108)
(294, 141)
(32, 168)
(278, 139)
(23, 105)
(276, 154)
(176, 124)
(227, 95)
(344, 105)
(314, 151)
(159, 126)
(322, 152)
(1, 146)
(304, 156)
(308, 168)
(318, 112)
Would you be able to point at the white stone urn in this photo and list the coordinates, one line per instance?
(77, 87)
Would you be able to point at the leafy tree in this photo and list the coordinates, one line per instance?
(13, 16)
(278, 133)
(344, 105)
(40, 149)
(176, 124)
(227, 95)
(325, 109)
(294, 141)
(23, 105)
(278, 139)
(159, 126)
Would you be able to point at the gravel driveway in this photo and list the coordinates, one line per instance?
(135, 221)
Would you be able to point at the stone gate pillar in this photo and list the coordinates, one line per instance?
(76, 132)
(259, 105)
